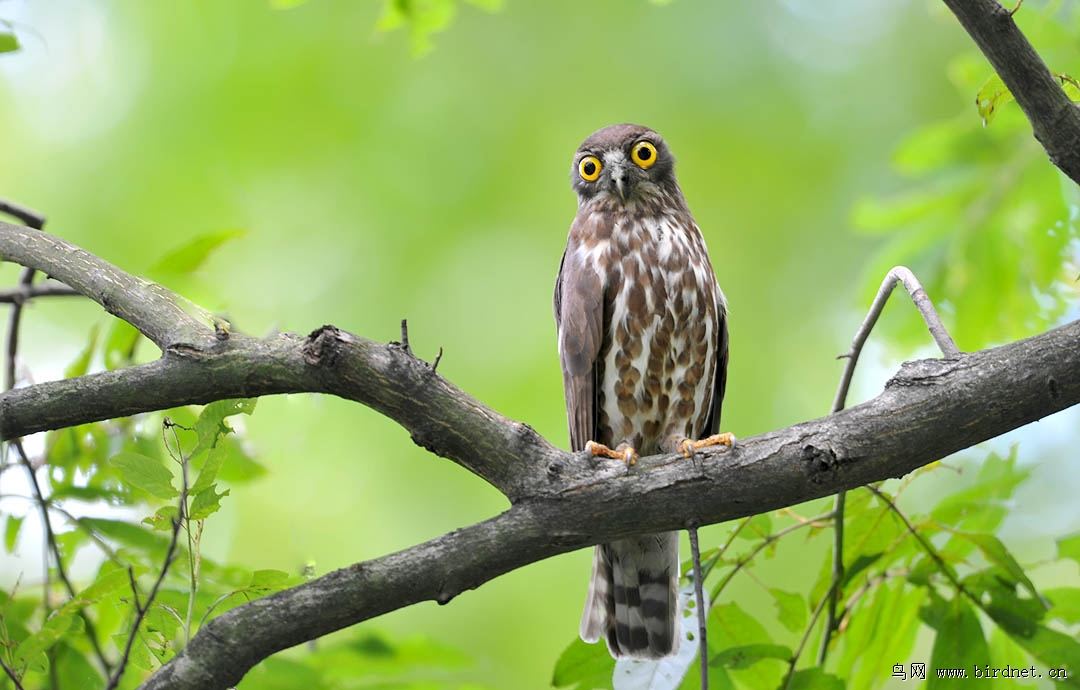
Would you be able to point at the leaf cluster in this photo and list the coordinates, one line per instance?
(940, 574)
(983, 218)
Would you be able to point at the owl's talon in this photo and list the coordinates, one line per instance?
(688, 447)
(627, 454)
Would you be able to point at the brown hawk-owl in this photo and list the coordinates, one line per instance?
(643, 344)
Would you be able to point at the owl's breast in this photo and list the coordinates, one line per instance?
(657, 360)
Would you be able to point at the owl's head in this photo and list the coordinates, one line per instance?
(623, 162)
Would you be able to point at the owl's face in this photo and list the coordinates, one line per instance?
(622, 163)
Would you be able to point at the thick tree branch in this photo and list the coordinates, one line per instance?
(1055, 119)
(158, 314)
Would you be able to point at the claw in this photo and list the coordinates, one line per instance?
(625, 453)
(688, 447)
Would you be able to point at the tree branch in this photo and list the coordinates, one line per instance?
(1054, 119)
(160, 315)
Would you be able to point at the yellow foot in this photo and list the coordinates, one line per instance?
(688, 447)
(624, 452)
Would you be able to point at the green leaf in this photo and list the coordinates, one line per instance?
(882, 630)
(146, 473)
(8, 43)
(1064, 604)
(995, 552)
(210, 426)
(74, 670)
(959, 640)
(206, 502)
(980, 507)
(1056, 650)
(88, 494)
(43, 639)
(211, 466)
(120, 345)
(140, 655)
(791, 609)
(583, 666)
(162, 519)
(992, 95)
(731, 626)
(1005, 652)
(748, 655)
(814, 679)
(189, 257)
(861, 563)
(81, 364)
(759, 527)
(996, 593)
(127, 534)
(106, 583)
(11, 532)
(422, 17)
(1069, 547)
(270, 579)
(286, 4)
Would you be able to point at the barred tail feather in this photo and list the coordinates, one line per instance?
(633, 596)
(599, 606)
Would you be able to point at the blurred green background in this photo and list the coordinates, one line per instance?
(373, 185)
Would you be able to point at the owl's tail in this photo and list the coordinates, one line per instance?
(633, 596)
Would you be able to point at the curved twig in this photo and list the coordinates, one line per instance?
(903, 276)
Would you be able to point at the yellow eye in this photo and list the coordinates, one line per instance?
(589, 168)
(644, 154)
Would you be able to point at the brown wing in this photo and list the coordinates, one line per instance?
(579, 318)
(712, 422)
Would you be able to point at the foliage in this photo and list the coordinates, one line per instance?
(941, 573)
(422, 18)
(987, 225)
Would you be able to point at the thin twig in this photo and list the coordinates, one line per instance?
(193, 541)
(23, 293)
(11, 674)
(806, 633)
(870, 583)
(926, 545)
(761, 546)
(54, 549)
(26, 215)
(702, 610)
(438, 357)
(901, 275)
(26, 279)
(405, 336)
(837, 575)
(170, 553)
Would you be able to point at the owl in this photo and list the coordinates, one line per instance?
(643, 345)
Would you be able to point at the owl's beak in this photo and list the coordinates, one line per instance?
(618, 176)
